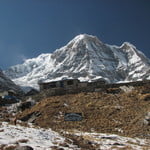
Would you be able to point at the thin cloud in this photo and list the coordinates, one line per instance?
(22, 57)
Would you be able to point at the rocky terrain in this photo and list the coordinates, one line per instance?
(112, 111)
(116, 117)
(32, 138)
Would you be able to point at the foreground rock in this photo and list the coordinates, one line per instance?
(26, 104)
(24, 148)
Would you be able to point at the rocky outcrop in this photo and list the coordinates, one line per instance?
(25, 105)
(24, 148)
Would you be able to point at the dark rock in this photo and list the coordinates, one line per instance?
(24, 148)
(147, 97)
(8, 100)
(109, 137)
(145, 91)
(27, 117)
(119, 144)
(113, 90)
(147, 119)
(30, 117)
(32, 92)
(89, 142)
(25, 105)
(64, 145)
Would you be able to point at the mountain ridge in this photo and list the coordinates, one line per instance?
(87, 58)
(7, 84)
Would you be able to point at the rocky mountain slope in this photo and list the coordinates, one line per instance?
(86, 58)
(7, 84)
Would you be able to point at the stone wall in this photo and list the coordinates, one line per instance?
(98, 86)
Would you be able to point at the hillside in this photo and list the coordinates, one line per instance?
(117, 116)
(123, 112)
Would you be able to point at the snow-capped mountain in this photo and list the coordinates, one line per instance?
(7, 84)
(86, 58)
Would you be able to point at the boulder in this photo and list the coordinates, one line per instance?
(24, 148)
(25, 105)
(147, 119)
(31, 117)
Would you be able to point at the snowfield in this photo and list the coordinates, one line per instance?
(114, 142)
(44, 139)
(39, 139)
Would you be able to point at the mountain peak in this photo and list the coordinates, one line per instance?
(83, 36)
(85, 57)
(127, 45)
(83, 39)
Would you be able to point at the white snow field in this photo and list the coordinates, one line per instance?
(44, 139)
(37, 138)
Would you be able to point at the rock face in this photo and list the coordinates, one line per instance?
(86, 58)
(7, 84)
(25, 105)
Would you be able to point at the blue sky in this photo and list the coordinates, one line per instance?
(31, 27)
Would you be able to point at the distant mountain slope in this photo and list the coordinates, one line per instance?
(86, 58)
(7, 84)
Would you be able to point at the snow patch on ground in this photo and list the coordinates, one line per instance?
(37, 138)
(45, 139)
(113, 141)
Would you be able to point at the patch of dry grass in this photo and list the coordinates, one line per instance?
(145, 97)
(102, 111)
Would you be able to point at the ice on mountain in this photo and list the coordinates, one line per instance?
(86, 58)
